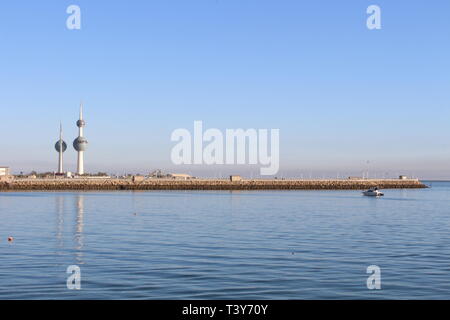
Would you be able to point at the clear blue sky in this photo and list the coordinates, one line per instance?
(339, 93)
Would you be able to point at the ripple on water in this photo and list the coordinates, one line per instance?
(222, 245)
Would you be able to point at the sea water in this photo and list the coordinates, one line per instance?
(225, 245)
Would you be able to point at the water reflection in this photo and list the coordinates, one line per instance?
(59, 219)
(185, 245)
(78, 234)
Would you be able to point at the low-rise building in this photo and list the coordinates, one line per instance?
(5, 171)
(138, 178)
(180, 176)
(235, 178)
(5, 174)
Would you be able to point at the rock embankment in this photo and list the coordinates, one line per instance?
(202, 184)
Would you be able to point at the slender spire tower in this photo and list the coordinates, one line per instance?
(80, 143)
(60, 147)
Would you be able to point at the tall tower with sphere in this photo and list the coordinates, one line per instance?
(60, 147)
(80, 143)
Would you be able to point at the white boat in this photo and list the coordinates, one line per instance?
(373, 193)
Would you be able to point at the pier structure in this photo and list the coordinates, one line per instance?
(99, 184)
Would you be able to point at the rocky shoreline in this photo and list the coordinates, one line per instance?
(203, 184)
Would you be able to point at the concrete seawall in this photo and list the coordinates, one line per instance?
(202, 184)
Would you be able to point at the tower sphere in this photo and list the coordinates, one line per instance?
(81, 123)
(80, 144)
(58, 144)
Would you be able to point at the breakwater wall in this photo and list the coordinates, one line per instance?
(202, 184)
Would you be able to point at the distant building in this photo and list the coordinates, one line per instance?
(403, 177)
(5, 174)
(158, 174)
(355, 178)
(4, 171)
(138, 178)
(180, 176)
(235, 178)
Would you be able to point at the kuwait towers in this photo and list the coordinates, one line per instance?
(60, 147)
(80, 143)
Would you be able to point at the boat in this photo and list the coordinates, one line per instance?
(373, 192)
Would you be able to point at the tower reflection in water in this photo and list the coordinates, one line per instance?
(79, 229)
(60, 220)
(77, 236)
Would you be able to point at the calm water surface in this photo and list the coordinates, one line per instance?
(226, 245)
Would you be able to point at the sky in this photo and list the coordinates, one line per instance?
(345, 98)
